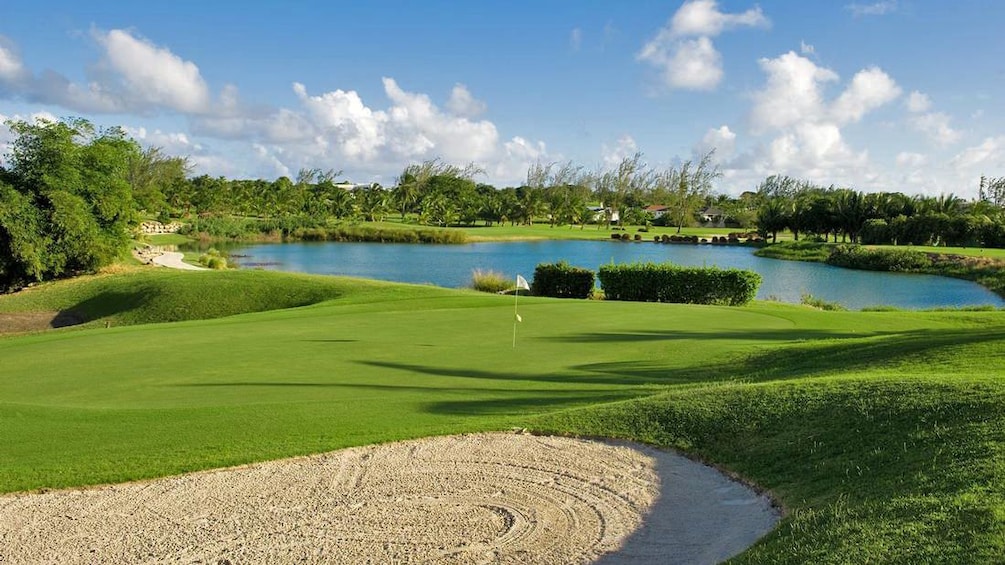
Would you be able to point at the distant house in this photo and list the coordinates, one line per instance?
(352, 187)
(712, 215)
(658, 211)
(600, 214)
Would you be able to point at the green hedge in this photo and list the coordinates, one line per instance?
(560, 280)
(666, 282)
(856, 257)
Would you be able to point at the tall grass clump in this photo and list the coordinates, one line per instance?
(821, 304)
(212, 259)
(490, 281)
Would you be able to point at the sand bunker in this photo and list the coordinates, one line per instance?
(477, 498)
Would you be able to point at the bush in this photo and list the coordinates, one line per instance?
(857, 257)
(665, 282)
(560, 280)
(489, 281)
(876, 232)
(213, 260)
(224, 227)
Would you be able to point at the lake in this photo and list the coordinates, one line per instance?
(451, 266)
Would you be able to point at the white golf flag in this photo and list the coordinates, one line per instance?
(522, 282)
(518, 318)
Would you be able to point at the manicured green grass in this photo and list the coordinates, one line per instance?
(168, 239)
(881, 433)
(506, 232)
(965, 251)
(146, 295)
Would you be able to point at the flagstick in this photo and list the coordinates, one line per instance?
(516, 315)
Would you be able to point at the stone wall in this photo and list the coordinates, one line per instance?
(157, 227)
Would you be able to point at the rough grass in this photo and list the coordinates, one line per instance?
(881, 433)
(490, 281)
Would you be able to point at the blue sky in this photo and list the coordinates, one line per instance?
(873, 94)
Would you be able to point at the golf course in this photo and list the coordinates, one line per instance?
(881, 435)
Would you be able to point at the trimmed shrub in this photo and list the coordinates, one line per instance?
(560, 280)
(857, 257)
(666, 282)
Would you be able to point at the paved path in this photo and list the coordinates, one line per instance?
(173, 260)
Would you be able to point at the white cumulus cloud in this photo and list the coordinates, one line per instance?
(463, 104)
(990, 154)
(792, 93)
(806, 128)
(694, 64)
(11, 67)
(869, 89)
(703, 17)
(154, 75)
(721, 139)
(624, 147)
(918, 102)
(910, 159)
(935, 125)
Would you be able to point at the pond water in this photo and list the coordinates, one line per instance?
(452, 265)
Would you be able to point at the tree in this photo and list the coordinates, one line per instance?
(772, 217)
(152, 176)
(615, 188)
(992, 191)
(374, 202)
(688, 187)
(66, 202)
(413, 185)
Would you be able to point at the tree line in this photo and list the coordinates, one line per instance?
(440, 194)
(893, 218)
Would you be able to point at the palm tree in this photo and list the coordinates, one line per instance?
(772, 217)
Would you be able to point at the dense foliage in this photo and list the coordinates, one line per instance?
(561, 280)
(65, 200)
(666, 282)
(890, 218)
(858, 257)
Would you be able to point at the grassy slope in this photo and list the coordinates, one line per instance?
(882, 433)
(145, 295)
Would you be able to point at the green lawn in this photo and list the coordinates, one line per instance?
(504, 232)
(967, 251)
(882, 434)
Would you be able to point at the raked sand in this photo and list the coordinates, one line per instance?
(476, 498)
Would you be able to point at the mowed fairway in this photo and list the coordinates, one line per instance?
(881, 433)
